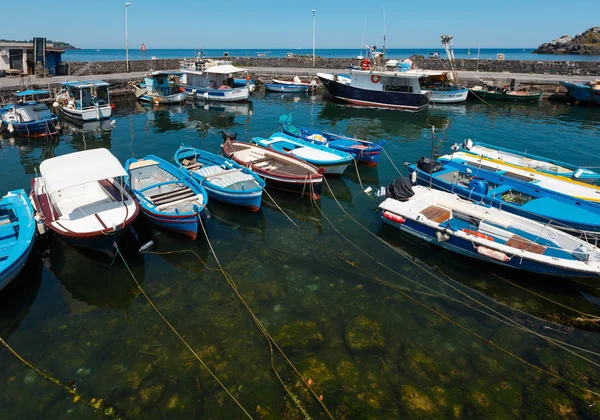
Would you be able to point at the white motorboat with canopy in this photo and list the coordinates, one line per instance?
(82, 197)
(87, 100)
(213, 80)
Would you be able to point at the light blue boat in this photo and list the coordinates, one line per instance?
(281, 88)
(584, 92)
(527, 160)
(168, 196)
(17, 234)
(333, 161)
(509, 193)
(224, 180)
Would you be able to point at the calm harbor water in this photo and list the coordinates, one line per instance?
(468, 53)
(381, 342)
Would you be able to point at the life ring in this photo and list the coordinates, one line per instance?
(375, 78)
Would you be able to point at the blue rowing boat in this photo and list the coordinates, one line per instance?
(28, 117)
(17, 234)
(364, 151)
(224, 180)
(168, 196)
(508, 192)
(276, 87)
(527, 160)
(333, 161)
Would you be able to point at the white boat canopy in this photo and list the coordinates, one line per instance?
(79, 168)
(224, 69)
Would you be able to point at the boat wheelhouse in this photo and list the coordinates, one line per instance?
(87, 100)
(159, 87)
(211, 80)
(28, 117)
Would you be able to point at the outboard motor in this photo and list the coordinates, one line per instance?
(428, 166)
(400, 189)
(467, 144)
(228, 135)
(479, 185)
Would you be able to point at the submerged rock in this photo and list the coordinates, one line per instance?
(348, 376)
(364, 334)
(300, 335)
(416, 401)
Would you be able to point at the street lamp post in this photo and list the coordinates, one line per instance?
(126, 36)
(313, 12)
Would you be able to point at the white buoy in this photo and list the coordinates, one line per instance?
(113, 122)
(11, 129)
(368, 190)
(41, 227)
(55, 104)
(413, 177)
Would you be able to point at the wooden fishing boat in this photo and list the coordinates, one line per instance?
(586, 92)
(529, 161)
(490, 234)
(224, 179)
(362, 150)
(158, 89)
(83, 101)
(312, 84)
(333, 161)
(280, 171)
(505, 93)
(17, 234)
(543, 180)
(169, 196)
(82, 198)
(273, 87)
(214, 81)
(511, 194)
(28, 117)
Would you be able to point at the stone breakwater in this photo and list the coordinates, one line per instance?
(576, 68)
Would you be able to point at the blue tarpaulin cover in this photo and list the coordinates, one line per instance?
(32, 92)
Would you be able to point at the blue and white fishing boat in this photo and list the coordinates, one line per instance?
(83, 101)
(211, 80)
(587, 92)
(489, 234)
(158, 88)
(282, 88)
(224, 180)
(17, 234)
(168, 196)
(333, 161)
(527, 160)
(28, 117)
(511, 194)
(363, 151)
(443, 89)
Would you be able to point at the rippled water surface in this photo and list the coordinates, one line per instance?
(379, 325)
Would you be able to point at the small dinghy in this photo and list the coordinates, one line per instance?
(158, 89)
(17, 234)
(169, 197)
(489, 234)
(274, 87)
(528, 161)
(333, 161)
(280, 171)
(224, 180)
(510, 193)
(364, 151)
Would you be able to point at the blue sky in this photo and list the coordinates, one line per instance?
(275, 24)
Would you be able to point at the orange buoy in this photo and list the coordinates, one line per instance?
(310, 381)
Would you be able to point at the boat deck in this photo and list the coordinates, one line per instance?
(265, 161)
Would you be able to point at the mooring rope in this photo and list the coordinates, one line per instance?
(179, 335)
(96, 403)
(391, 161)
(378, 280)
(268, 336)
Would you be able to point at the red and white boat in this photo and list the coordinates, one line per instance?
(279, 171)
(82, 198)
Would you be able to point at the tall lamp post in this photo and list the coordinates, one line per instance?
(126, 36)
(313, 12)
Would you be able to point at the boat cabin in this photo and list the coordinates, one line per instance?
(220, 76)
(86, 94)
(386, 81)
(158, 83)
(437, 80)
(27, 108)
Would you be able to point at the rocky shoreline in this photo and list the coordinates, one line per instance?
(585, 43)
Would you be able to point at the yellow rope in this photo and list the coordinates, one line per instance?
(391, 161)
(179, 335)
(96, 403)
(269, 338)
(358, 175)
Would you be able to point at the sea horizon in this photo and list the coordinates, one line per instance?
(117, 54)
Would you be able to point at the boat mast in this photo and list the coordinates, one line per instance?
(384, 33)
(447, 43)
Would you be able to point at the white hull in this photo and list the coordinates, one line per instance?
(448, 97)
(89, 114)
(219, 95)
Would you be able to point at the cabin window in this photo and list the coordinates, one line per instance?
(393, 84)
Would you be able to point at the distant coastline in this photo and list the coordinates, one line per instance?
(57, 44)
(460, 53)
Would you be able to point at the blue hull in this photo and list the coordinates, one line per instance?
(250, 201)
(466, 248)
(582, 92)
(385, 99)
(39, 128)
(187, 225)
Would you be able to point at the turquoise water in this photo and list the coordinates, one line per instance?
(469, 53)
(354, 324)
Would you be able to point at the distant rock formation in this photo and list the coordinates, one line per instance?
(586, 43)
